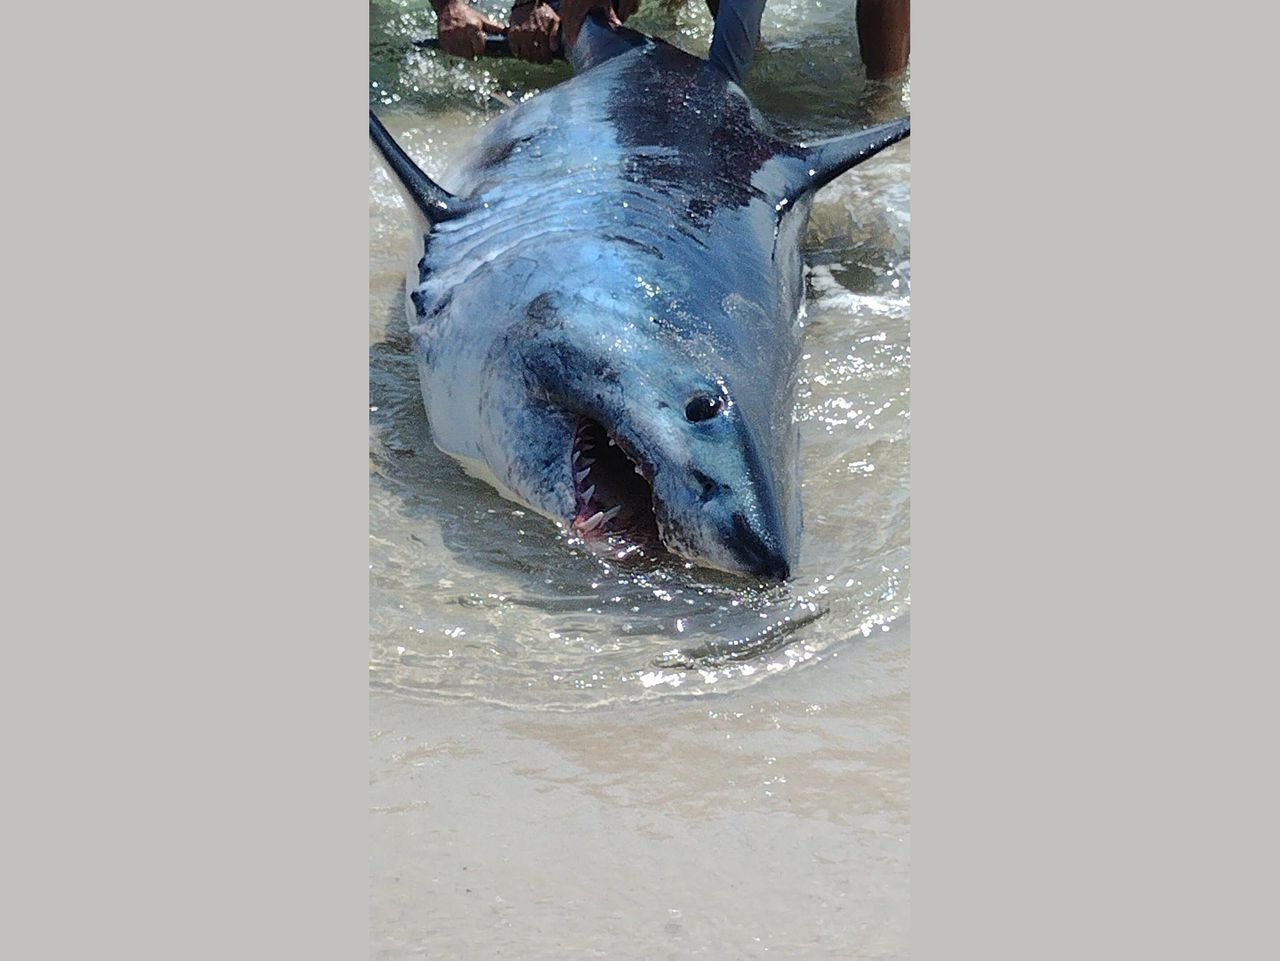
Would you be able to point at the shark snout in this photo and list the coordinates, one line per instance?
(759, 551)
(743, 535)
(733, 506)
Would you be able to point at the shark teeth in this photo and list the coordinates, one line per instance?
(599, 518)
(581, 475)
(586, 494)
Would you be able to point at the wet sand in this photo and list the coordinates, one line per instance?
(767, 822)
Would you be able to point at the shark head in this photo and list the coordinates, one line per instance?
(624, 432)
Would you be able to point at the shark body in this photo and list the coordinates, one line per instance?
(605, 313)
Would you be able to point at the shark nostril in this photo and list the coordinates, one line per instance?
(709, 487)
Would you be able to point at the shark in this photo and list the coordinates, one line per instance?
(606, 313)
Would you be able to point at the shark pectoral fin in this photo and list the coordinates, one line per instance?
(820, 163)
(434, 201)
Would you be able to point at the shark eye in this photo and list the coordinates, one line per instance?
(703, 407)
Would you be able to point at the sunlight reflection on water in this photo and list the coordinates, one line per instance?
(472, 597)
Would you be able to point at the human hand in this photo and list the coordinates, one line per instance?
(573, 12)
(461, 29)
(535, 31)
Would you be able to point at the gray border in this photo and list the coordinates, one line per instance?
(187, 539)
(1085, 765)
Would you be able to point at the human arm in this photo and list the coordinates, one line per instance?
(462, 28)
(535, 31)
(574, 12)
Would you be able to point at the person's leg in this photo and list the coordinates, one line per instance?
(884, 34)
(733, 45)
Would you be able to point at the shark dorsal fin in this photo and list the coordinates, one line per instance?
(597, 42)
(820, 163)
(434, 201)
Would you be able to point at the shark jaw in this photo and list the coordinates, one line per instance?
(612, 488)
(616, 509)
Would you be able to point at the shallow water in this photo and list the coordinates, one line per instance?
(475, 597)
(512, 664)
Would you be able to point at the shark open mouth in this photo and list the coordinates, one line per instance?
(612, 490)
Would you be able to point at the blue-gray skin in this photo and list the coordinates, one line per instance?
(618, 272)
